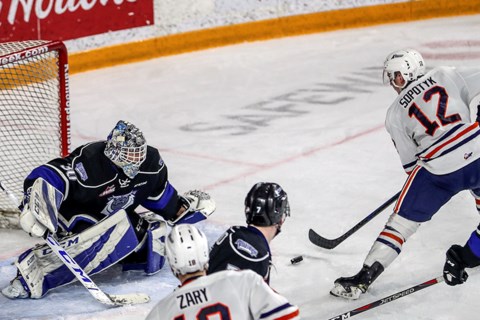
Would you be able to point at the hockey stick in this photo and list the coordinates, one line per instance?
(80, 274)
(320, 241)
(388, 299)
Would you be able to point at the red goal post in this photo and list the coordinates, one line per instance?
(34, 113)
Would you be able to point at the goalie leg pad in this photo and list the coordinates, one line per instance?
(95, 249)
(22, 287)
(156, 248)
(390, 241)
(149, 256)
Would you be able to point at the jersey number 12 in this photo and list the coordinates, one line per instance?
(432, 126)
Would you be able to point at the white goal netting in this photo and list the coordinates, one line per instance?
(34, 118)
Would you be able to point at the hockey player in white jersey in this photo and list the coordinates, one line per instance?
(224, 295)
(439, 147)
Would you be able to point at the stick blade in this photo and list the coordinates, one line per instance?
(320, 241)
(129, 299)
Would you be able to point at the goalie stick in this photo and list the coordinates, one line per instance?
(388, 299)
(81, 275)
(320, 241)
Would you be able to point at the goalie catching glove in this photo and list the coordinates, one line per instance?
(197, 206)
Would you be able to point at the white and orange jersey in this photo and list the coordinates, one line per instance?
(430, 121)
(225, 295)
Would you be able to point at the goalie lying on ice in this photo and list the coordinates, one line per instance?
(88, 201)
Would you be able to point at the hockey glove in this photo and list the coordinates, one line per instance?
(454, 269)
(200, 201)
(30, 224)
(198, 205)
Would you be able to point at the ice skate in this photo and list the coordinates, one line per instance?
(15, 290)
(352, 287)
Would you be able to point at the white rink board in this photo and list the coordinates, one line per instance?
(306, 112)
(179, 16)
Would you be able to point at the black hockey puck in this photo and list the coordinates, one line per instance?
(296, 260)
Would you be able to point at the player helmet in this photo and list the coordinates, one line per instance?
(419, 59)
(266, 204)
(409, 64)
(126, 147)
(186, 249)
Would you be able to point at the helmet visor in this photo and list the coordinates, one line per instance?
(388, 77)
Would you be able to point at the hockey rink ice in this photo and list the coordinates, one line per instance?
(306, 112)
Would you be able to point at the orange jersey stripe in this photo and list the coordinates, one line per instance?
(405, 188)
(459, 135)
(289, 316)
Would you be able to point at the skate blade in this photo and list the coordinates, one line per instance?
(340, 291)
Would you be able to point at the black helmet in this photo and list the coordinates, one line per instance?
(266, 204)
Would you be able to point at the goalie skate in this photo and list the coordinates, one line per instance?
(15, 290)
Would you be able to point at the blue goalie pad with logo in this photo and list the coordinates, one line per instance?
(94, 249)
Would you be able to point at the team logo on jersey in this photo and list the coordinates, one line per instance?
(110, 189)
(80, 169)
(116, 203)
(467, 155)
(246, 247)
(124, 183)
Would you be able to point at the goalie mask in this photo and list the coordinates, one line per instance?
(126, 147)
(266, 204)
(186, 249)
(409, 63)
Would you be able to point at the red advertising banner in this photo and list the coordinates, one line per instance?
(70, 19)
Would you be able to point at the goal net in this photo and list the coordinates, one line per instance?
(34, 114)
